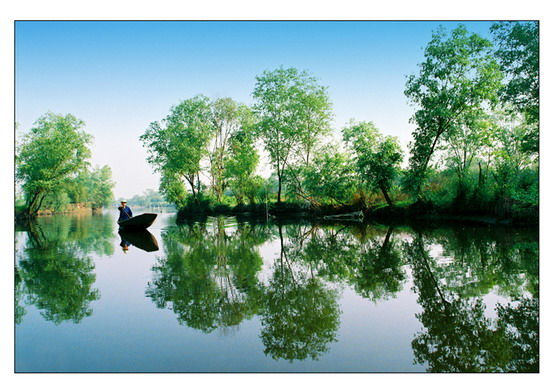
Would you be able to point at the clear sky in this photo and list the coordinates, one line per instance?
(120, 76)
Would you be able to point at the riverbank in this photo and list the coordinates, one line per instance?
(399, 213)
(22, 216)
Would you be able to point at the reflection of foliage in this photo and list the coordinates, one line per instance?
(484, 258)
(59, 282)
(55, 272)
(520, 325)
(379, 273)
(300, 316)
(371, 264)
(19, 309)
(208, 277)
(458, 336)
(87, 233)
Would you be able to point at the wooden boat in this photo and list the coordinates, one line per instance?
(138, 222)
(142, 239)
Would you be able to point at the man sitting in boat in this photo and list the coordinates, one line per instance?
(125, 211)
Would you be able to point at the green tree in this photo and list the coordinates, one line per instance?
(458, 75)
(101, 187)
(178, 143)
(330, 176)
(229, 119)
(517, 50)
(241, 165)
(293, 110)
(173, 188)
(469, 143)
(91, 188)
(378, 157)
(510, 162)
(53, 151)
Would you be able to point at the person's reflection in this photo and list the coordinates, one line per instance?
(124, 245)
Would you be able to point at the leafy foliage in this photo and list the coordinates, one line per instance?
(378, 157)
(518, 53)
(293, 111)
(178, 143)
(52, 152)
(457, 76)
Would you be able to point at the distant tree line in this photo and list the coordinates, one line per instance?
(474, 148)
(149, 199)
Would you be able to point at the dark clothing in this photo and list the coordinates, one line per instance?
(125, 213)
(125, 243)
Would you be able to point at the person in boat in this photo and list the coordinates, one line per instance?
(125, 211)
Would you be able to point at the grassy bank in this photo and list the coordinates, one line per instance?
(399, 212)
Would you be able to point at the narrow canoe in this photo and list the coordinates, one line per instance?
(138, 222)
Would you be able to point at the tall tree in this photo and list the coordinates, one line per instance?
(330, 176)
(178, 143)
(228, 117)
(471, 141)
(378, 157)
(55, 149)
(292, 109)
(518, 53)
(458, 74)
(242, 163)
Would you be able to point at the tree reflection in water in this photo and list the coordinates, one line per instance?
(300, 314)
(55, 271)
(210, 279)
(213, 277)
(457, 335)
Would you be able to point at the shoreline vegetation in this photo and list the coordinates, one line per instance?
(399, 213)
(474, 153)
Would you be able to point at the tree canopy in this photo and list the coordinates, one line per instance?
(53, 151)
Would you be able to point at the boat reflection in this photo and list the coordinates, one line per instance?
(142, 239)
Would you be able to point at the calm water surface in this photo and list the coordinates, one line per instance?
(233, 296)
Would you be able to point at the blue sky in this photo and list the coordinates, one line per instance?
(120, 76)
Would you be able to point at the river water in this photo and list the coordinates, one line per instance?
(231, 296)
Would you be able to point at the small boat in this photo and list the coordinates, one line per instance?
(138, 222)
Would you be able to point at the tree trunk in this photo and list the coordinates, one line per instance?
(480, 179)
(279, 189)
(387, 238)
(37, 208)
(35, 203)
(386, 196)
(28, 209)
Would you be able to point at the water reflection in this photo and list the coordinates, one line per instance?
(141, 239)
(457, 335)
(55, 270)
(210, 279)
(291, 277)
(209, 276)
